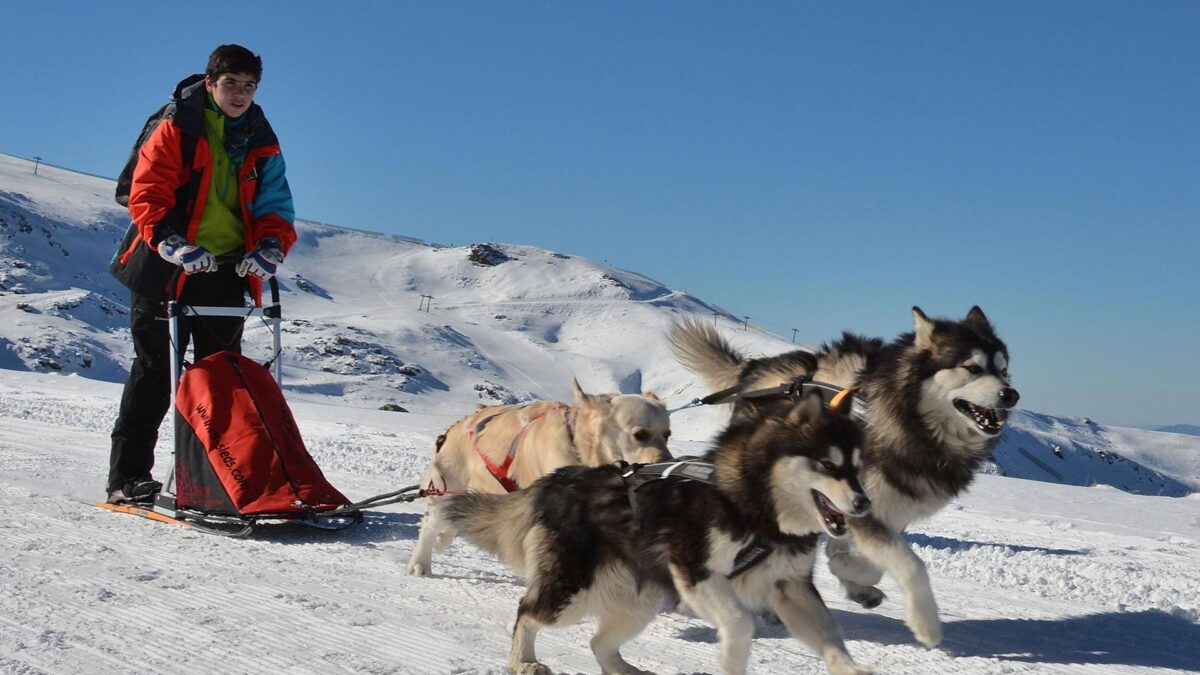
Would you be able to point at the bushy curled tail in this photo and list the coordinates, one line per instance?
(498, 524)
(701, 349)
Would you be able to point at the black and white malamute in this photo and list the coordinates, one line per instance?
(611, 543)
(936, 401)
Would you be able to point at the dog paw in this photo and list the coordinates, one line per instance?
(417, 569)
(854, 568)
(867, 596)
(531, 668)
(771, 619)
(842, 664)
(928, 631)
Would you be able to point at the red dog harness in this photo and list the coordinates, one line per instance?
(500, 473)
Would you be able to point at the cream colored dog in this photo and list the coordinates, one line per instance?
(503, 448)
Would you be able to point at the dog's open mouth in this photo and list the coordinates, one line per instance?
(833, 520)
(989, 420)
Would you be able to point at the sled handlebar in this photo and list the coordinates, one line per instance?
(272, 313)
(173, 284)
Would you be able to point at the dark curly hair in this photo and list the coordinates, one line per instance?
(233, 59)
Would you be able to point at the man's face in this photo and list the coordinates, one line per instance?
(233, 92)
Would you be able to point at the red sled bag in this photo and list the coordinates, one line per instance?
(238, 451)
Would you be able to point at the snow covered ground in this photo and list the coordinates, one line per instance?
(1060, 574)
(1032, 577)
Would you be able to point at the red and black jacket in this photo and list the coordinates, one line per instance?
(167, 192)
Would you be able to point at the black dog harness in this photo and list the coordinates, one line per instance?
(688, 468)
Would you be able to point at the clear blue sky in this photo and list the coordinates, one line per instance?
(816, 166)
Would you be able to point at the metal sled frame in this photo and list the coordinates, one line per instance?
(164, 501)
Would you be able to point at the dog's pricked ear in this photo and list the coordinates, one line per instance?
(581, 397)
(976, 316)
(923, 328)
(810, 407)
(652, 396)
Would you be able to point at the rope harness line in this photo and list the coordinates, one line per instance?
(833, 395)
(694, 403)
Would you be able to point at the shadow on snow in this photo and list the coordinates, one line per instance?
(1149, 638)
(954, 545)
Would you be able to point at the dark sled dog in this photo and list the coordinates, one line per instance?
(613, 543)
(936, 401)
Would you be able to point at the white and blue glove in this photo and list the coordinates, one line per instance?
(192, 258)
(263, 260)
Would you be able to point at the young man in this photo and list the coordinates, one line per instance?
(212, 218)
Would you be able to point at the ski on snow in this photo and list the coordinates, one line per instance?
(147, 511)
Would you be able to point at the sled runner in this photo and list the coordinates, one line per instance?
(147, 511)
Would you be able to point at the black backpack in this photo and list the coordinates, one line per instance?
(125, 180)
(139, 267)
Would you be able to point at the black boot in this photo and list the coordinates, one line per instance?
(136, 491)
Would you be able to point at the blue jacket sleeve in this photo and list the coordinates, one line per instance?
(273, 210)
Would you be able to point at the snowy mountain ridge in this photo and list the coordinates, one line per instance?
(374, 319)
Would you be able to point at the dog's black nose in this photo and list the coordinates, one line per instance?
(861, 504)
(1009, 397)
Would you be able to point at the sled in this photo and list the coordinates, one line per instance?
(238, 459)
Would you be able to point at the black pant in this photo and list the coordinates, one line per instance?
(147, 393)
